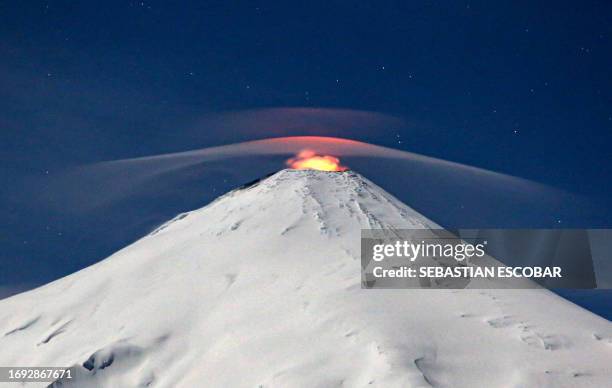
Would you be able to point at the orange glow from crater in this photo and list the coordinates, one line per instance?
(309, 160)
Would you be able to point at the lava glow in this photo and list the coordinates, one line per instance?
(309, 160)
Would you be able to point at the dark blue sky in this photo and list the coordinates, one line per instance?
(515, 87)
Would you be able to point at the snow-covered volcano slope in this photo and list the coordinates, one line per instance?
(262, 288)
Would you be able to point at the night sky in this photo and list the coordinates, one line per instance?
(514, 87)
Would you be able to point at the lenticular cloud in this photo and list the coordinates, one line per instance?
(425, 177)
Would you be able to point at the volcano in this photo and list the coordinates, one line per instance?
(262, 288)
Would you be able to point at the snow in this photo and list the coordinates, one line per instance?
(261, 288)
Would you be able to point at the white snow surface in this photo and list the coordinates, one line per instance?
(261, 288)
